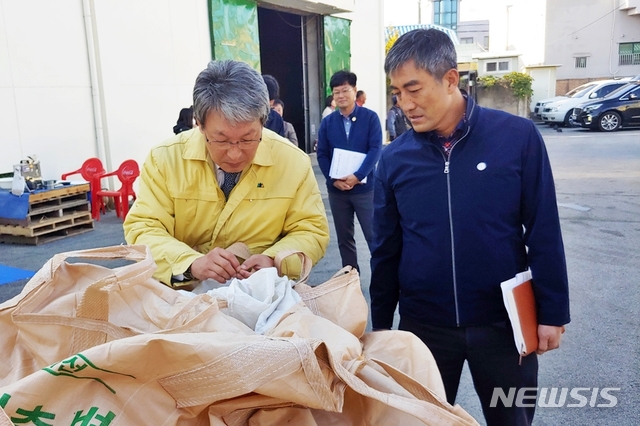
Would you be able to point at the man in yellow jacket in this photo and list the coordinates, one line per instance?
(227, 180)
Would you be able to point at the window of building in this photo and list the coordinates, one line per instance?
(466, 40)
(486, 42)
(497, 66)
(629, 54)
(445, 13)
(581, 61)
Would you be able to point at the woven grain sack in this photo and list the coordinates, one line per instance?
(69, 307)
(375, 372)
(170, 379)
(339, 300)
(147, 356)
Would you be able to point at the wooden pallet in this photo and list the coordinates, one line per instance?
(52, 215)
(53, 203)
(58, 193)
(46, 238)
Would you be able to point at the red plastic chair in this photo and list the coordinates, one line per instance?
(127, 173)
(90, 171)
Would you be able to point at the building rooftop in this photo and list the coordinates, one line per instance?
(402, 29)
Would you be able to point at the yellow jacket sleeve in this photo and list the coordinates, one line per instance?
(151, 222)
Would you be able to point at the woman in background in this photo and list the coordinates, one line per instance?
(330, 106)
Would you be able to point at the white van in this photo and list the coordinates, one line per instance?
(559, 111)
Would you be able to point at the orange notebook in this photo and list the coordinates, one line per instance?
(521, 307)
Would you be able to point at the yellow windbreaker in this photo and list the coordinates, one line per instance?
(181, 212)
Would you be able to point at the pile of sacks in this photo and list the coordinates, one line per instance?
(86, 344)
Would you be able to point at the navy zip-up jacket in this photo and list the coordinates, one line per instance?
(447, 233)
(365, 136)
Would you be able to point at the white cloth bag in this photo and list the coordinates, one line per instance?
(258, 301)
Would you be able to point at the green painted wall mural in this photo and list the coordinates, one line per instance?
(234, 31)
(337, 47)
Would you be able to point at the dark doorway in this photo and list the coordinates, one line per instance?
(281, 56)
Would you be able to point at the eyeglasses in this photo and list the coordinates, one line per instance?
(341, 92)
(225, 145)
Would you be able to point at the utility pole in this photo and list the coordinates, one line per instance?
(419, 11)
(508, 24)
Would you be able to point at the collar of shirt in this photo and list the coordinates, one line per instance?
(351, 114)
(217, 170)
(447, 142)
(219, 174)
(349, 120)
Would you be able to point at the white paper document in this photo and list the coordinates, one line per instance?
(346, 162)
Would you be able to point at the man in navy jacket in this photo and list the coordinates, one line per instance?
(353, 128)
(464, 201)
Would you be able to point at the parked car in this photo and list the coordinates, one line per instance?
(620, 109)
(559, 112)
(537, 110)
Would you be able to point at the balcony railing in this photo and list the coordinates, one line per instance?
(629, 59)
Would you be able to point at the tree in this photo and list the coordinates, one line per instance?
(392, 36)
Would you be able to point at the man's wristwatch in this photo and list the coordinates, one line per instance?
(188, 276)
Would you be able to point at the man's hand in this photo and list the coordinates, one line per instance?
(346, 183)
(253, 264)
(341, 185)
(548, 338)
(219, 264)
(351, 180)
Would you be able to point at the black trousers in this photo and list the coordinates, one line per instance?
(493, 362)
(343, 206)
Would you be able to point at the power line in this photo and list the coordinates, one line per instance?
(603, 16)
(559, 39)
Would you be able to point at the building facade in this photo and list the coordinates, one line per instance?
(474, 32)
(560, 44)
(89, 78)
(592, 40)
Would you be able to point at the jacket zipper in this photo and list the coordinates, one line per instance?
(453, 251)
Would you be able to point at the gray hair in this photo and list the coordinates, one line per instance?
(431, 50)
(233, 89)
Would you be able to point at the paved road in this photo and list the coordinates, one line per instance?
(598, 185)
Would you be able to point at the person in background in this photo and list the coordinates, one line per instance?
(185, 120)
(222, 182)
(329, 106)
(358, 129)
(289, 131)
(361, 98)
(396, 120)
(463, 202)
(275, 121)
